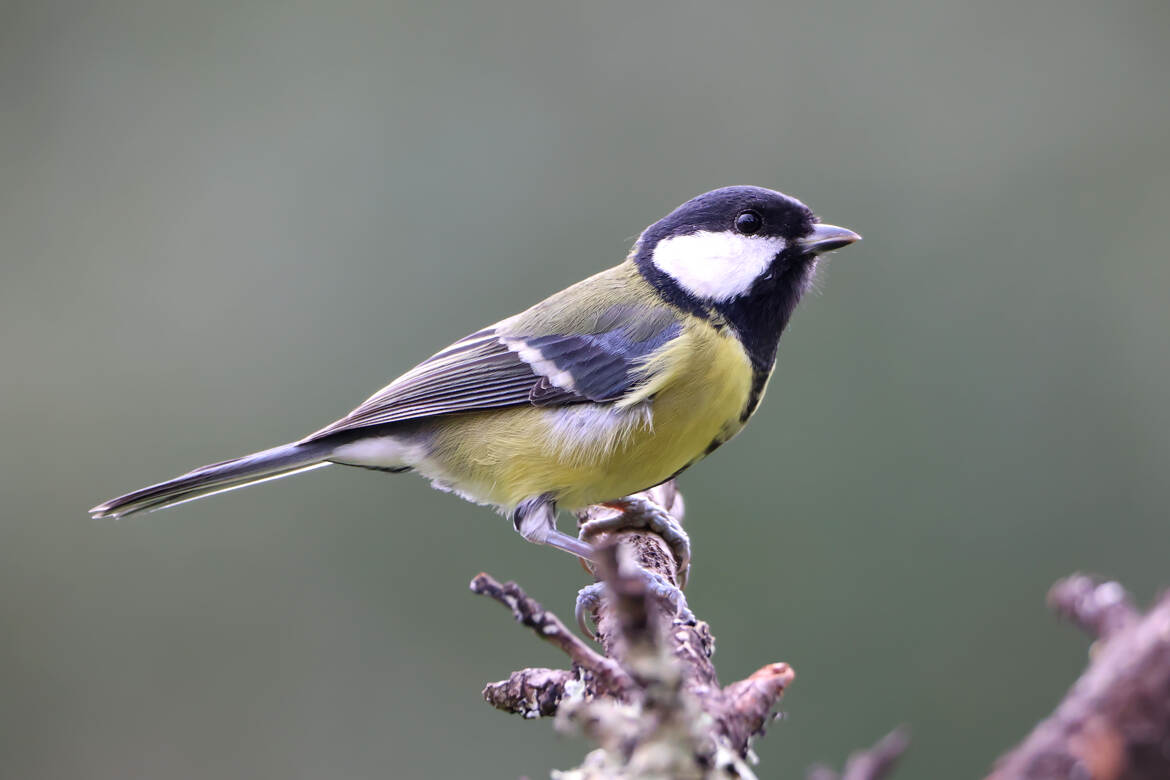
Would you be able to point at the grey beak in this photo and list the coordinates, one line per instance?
(826, 238)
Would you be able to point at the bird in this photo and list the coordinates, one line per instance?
(611, 386)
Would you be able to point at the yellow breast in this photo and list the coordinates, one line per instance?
(694, 395)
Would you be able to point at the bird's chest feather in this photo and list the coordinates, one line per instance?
(700, 392)
(694, 398)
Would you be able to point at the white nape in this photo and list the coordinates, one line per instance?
(716, 266)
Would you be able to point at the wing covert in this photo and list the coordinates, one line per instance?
(504, 366)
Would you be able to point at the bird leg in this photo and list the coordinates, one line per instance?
(536, 520)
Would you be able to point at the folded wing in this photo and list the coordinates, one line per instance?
(510, 364)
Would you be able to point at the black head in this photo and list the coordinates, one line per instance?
(744, 254)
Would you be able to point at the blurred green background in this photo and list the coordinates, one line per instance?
(224, 224)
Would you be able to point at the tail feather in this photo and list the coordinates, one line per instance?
(277, 462)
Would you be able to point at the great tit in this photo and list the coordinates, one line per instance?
(609, 387)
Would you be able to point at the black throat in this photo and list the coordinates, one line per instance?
(762, 315)
(758, 318)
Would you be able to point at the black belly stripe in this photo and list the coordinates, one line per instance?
(680, 471)
(759, 381)
(714, 445)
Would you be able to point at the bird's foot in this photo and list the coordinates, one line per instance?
(637, 513)
(590, 597)
(588, 600)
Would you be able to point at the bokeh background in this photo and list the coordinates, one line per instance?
(223, 224)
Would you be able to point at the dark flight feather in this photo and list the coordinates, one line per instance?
(496, 367)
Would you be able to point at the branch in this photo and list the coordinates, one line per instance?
(748, 704)
(529, 693)
(652, 701)
(1101, 609)
(872, 764)
(549, 627)
(1114, 724)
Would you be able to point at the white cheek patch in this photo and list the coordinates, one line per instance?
(716, 266)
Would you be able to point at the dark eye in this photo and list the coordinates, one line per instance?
(748, 222)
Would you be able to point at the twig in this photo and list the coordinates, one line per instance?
(1114, 724)
(1101, 608)
(549, 627)
(529, 693)
(874, 763)
(747, 704)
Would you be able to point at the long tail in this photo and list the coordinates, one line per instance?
(277, 462)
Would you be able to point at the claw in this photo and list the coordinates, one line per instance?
(640, 512)
(666, 590)
(588, 599)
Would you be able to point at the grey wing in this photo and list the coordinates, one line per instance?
(497, 367)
